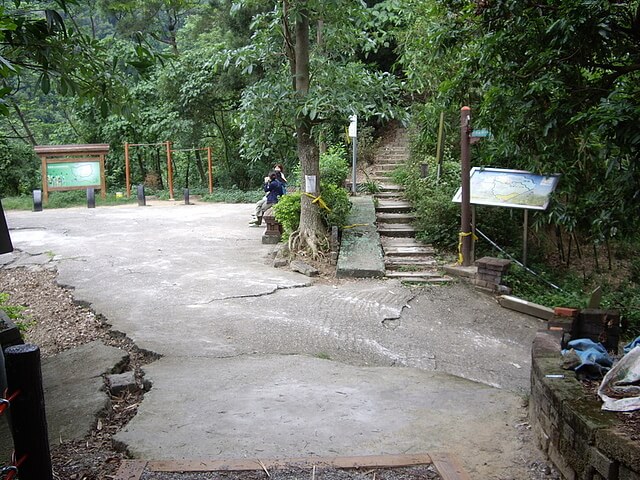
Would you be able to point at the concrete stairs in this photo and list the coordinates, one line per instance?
(405, 258)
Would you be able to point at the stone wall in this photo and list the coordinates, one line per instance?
(579, 438)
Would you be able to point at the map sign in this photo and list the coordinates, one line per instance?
(510, 188)
(73, 174)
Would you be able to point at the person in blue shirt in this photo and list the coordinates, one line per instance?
(274, 190)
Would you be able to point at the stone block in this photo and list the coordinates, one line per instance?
(626, 474)
(576, 455)
(603, 465)
(546, 344)
(618, 447)
(586, 418)
(566, 312)
(565, 469)
(304, 268)
(530, 308)
(122, 382)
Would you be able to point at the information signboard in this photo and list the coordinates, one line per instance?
(510, 188)
(73, 174)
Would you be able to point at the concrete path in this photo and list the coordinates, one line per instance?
(262, 362)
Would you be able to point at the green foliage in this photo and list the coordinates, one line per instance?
(14, 312)
(437, 217)
(369, 187)
(19, 169)
(337, 199)
(334, 167)
(233, 195)
(400, 175)
(287, 213)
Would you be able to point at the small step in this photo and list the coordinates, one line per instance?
(393, 194)
(401, 251)
(395, 217)
(396, 230)
(396, 262)
(420, 277)
(385, 167)
(393, 207)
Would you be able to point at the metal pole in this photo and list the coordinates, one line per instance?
(91, 197)
(142, 200)
(440, 146)
(355, 161)
(465, 160)
(169, 171)
(210, 162)
(37, 200)
(524, 237)
(127, 172)
(186, 196)
(28, 419)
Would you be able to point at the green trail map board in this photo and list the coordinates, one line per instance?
(510, 188)
(73, 174)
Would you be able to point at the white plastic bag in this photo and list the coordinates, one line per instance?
(624, 380)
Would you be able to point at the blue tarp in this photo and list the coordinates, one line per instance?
(630, 346)
(594, 357)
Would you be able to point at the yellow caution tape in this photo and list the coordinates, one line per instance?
(356, 225)
(318, 200)
(461, 235)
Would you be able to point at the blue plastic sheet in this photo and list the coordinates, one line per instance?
(630, 346)
(594, 357)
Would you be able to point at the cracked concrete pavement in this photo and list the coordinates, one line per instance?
(264, 362)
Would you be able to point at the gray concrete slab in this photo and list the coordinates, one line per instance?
(361, 255)
(74, 392)
(195, 285)
(289, 406)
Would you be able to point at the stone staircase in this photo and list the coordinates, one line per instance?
(405, 258)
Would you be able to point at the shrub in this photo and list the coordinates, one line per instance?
(337, 199)
(233, 195)
(334, 167)
(19, 169)
(287, 213)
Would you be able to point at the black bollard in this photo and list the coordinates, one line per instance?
(28, 419)
(186, 196)
(91, 197)
(37, 200)
(424, 170)
(5, 239)
(142, 200)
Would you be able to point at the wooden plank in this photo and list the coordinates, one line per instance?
(448, 466)
(372, 461)
(130, 470)
(73, 149)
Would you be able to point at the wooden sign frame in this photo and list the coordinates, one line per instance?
(86, 153)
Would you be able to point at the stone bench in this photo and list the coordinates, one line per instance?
(273, 233)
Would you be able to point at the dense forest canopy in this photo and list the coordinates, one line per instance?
(557, 82)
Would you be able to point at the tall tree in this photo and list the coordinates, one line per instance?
(318, 85)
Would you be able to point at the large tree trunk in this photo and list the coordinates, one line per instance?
(311, 234)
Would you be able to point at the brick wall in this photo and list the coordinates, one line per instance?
(579, 438)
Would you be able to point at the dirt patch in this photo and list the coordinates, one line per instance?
(56, 323)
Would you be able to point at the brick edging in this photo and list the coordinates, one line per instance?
(570, 428)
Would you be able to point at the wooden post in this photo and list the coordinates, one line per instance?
(103, 178)
(465, 160)
(127, 169)
(169, 171)
(45, 180)
(28, 420)
(473, 230)
(210, 163)
(524, 237)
